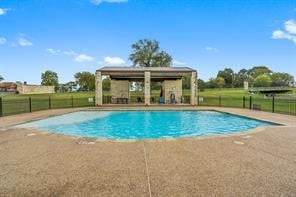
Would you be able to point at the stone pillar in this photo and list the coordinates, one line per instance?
(99, 89)
(172, 86)
(119, 88)
(193, 99)
(147, 88)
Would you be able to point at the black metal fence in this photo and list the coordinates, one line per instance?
(283, 105)
(24, 105)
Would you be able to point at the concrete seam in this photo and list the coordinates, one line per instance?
(147, 170)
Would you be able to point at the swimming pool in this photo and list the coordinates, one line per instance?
(145, 124)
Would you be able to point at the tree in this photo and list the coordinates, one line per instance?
(50, 78)
(106, 84)
(68, 87)
(85, 80)
(263, 80)
(62, 88)
(186, 82)
(1, 78)
(259, 70)
(282, 79)
(240, 78)
(147, 53)
(201, 85)
(211, 83)
(227, 74)
(71, 86)
(220, 82)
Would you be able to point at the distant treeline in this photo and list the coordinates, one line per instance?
(258, 76)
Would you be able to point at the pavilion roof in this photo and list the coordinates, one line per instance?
(138, 72)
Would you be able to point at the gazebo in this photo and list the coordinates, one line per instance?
(169, 77)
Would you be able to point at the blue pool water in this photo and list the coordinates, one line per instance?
(145, 124)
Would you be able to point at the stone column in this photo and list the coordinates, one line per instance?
(147, 88)
(193, 99)
(99, 89)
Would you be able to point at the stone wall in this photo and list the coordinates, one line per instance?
(35, 89)
(119, 88)
(172, 86)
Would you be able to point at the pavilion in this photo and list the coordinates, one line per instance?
(170, 78)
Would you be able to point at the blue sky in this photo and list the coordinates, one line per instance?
(83, 35)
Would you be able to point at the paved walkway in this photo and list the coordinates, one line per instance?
(257, 163)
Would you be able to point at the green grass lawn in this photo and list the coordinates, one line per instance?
(234, 98)
(231, 97)
(55, 95)
(236, 92)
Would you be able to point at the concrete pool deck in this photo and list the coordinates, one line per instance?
(256, 163)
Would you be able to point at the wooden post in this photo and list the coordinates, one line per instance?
(72, 102)
(250, 103)
(220, 102)
(244, 102)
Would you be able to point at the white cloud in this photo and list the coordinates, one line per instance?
(24, 42)
(2, 40)
(70, 53)
(289, 33)
(290, 26)
(3, 11)
(58, 51)
(84, 58)
(212, 49)
(53, 51)
(179, 63)
(98, 2)
(114, 61)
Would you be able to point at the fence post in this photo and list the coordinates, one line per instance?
(94, 101)
(72, 101)
(30, 104)
(220, 102)
(250, 104)
(1, 107)
(294, 101)
(49, 102)
(244, 102)
(273, 104)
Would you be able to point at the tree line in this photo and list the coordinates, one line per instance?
(257, 76)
